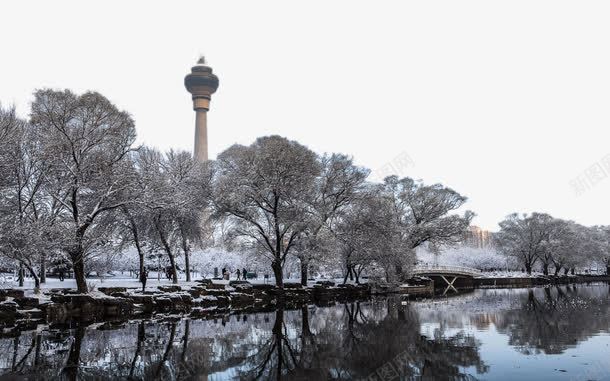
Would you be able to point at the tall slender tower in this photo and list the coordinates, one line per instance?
(201, 83)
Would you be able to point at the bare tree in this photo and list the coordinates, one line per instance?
(27, 214)
(525, 237)
(176, 191)
(157, 202)
(263, 191)
(10, 128)
(335, 189)
(190, 183)
(365, 233)
(554, 242)
(86, 140)
(566, 246)
(422, 214)
(131, 227)
(601, 248)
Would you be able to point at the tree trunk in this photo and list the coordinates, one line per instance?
(557, 269)
(168, 250)
(277, 271)
(187, 262)
(351, 273)
(43, 269)
(608, 269)
(21, 274)
(565, 271)
(78, 266)
(141, 259)
(528, 268)
(187, 265)
(140, 253)
(136, 238)
(358, 272)
(34, 276)
(304, 272)
(545, 269)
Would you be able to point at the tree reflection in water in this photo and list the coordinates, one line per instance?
(553, 319)
(358, 341)
(342, 342)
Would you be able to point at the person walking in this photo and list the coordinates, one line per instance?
(238, 274)
(144, 278)
(244, 272)
(20, 275)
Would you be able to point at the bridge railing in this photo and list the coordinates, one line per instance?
(456, 269)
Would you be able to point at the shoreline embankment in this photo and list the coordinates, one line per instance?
(18, 309)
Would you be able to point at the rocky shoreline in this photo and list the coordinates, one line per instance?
(65, 305)
(209, 298)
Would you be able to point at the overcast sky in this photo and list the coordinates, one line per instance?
(506, 102)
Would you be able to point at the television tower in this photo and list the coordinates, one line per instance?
(201, 83)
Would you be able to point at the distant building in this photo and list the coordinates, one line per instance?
(477, 237)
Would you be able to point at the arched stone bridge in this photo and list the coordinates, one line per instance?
(451, 277)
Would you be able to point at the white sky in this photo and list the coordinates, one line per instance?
(506, 102)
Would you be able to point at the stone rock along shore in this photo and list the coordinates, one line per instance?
(213, 299)
(63, 305)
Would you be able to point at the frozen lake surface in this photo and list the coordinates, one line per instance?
(552, 333)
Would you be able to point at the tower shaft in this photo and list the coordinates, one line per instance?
(201, 135)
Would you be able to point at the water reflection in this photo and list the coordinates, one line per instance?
(556, 319)
(443, 339)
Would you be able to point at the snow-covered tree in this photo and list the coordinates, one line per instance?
(525, 237)
(567, 247)
(263, 192)
(601, 251)
(191, 185)
(172, 215)
(550, 241)
(10, 129)
(366, 235)
(85, 140)
(422, 214)
(337, 186)
(27, 213)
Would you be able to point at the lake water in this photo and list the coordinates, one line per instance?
(553, 333)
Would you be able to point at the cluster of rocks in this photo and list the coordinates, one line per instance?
(63, 305)
(58, 305)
